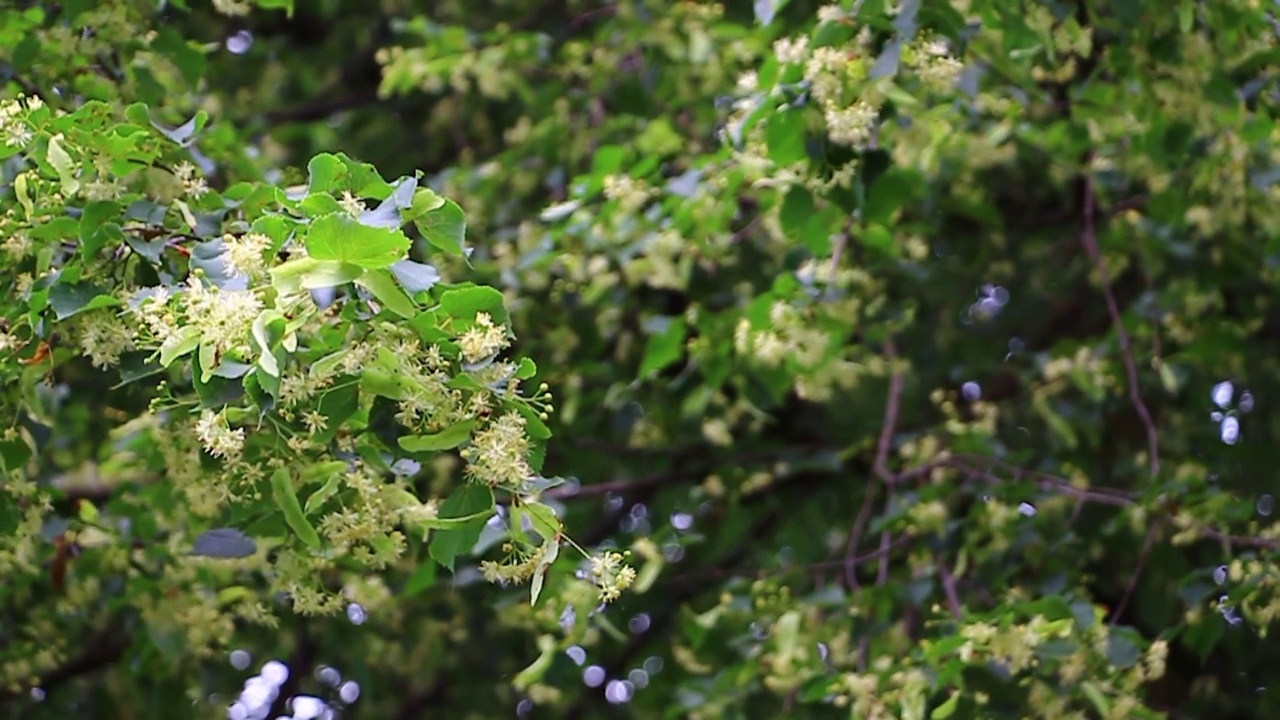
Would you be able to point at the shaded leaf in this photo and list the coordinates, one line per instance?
(224, 543)
(287, 500)
(447, 439)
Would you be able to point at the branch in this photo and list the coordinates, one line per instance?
(322, 108)
(1099, 496)
(1089, 239)
(890, 426)
(880, 466)
(948, 586)
(105, 648)
(1143, 555)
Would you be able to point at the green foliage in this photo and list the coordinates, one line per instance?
(883, 338)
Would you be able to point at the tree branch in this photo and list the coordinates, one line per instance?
(1143, 556)
(105, 648)
(1089, 239)
(880, 466)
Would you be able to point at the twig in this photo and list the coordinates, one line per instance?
(322, 108)
(837, 252)
(882, 573)
(890, 425)
(880, 466)
(106, 648)
(948, 586)
(1089, 239)
(591, 15)
(878, 554)
(1143, 555)
(1098, 496)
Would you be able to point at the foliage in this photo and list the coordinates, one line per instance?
(882, 337)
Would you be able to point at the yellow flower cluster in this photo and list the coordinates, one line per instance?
(499, 454)
(612, 575)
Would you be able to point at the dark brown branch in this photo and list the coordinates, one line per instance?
(948, 586)
(890, 426)
(1089, 239)
(1143, 555)
(880, 466)
(104, 649)
(322, 108)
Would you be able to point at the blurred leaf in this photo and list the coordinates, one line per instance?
(470, 502)
(287, 500)
(224, 543)
(447, 439)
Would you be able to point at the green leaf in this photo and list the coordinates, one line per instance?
(266, 346)
(665, 347)
(526, 369)
(312, 274)
(1095, 696)
(286, 5)
(539, 667)
(424, 201)
(1186, 15)
(439, 523)
(61, 161)
(447, 439)
(340, 237)
(543, 519)
(323, 471)
(23, 193)
(444, 227)
(324, 173)
(548, 559)
(797, 209)
(328, 364)
(186, 340)
(423, 577)
(190, 61)
(384, 383)
(13, 454)
(1122, 652)
(947, 708)
(471, 501)
(208, 361)
(608, 159)
(767, 10)
(534, 424)
(466, 303)
(889, 192)
(415, 277)
(69, 299)
(321, 496)
(337, 405)
(224, 543)
(785, 135)
(96, 227)
(384, 288)
(287, 500)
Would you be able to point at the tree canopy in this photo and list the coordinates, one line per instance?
(639, 358)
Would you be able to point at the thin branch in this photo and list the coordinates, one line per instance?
(880, 553)
(882, 573)
(948, 586)
(106, 648)
(1143, 555)
(1089, 239)
(890, 426)
(851, 562)
(1098, 496)
(322, 108)
(880, 466)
